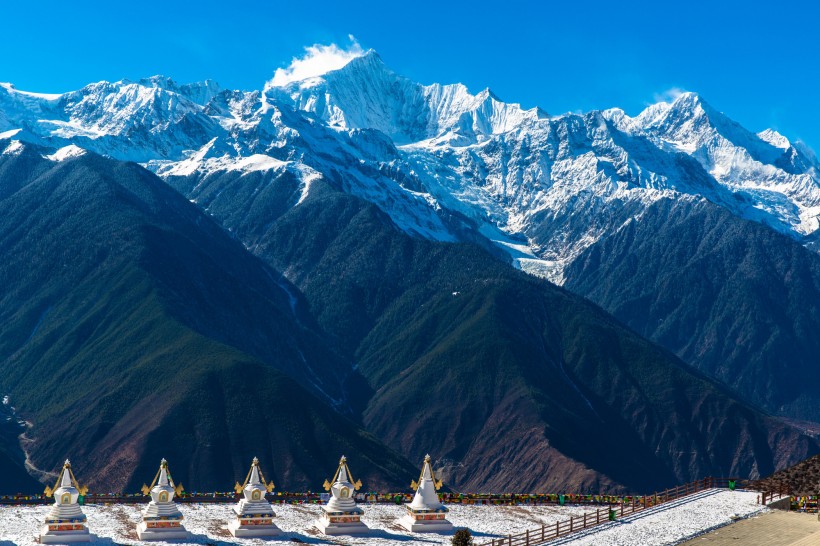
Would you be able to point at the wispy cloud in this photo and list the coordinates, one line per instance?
(669, 95)
(318, 59)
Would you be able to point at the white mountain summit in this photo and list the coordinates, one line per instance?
(441, 162)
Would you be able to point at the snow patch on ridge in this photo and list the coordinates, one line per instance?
(45, 96)
(200, 162)
(65, 152)
(225, 163)
(14, 148)
(8, 134)
(309, 176)
(255, 162)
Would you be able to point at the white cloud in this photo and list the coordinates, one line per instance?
(318, 59)
(669, 95)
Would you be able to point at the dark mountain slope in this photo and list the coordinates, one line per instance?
(800, 479)
(515, 383)
(84, 216)
(731, 297)
(135, 328)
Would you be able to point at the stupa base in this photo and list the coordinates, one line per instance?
(64, 537)
(424, 526)
(239, 530)
(351, 528)
(160, 533)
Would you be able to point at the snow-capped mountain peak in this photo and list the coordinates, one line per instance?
(317, 61)
(775, 139)
(366, 94)
(198, 92)
(441, 161)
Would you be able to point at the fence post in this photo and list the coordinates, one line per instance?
(543, 529)
(528, 537)
(557, 530)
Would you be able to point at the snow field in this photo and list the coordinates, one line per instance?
(671, 523)
(665, 525)
(207, 523)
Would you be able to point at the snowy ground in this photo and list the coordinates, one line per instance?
(671, 523)
(207, 523)
(665, 525)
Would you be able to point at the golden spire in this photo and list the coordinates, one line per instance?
(342, 465)
(255, 463)
(82, 490)
(436, 483)
(163, 465)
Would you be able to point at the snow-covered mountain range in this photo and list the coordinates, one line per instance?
(113, 275)
(445, 164)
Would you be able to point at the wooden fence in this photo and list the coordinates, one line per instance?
(767, 497)
(590, 519)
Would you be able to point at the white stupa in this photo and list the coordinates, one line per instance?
(161, 519)
(254, 514)
(426, 513)
(66, 521)
(341, 515)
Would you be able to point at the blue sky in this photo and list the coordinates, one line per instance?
(758, 62)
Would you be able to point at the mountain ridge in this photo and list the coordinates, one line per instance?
(445, 126)
(136, 328)
(541, 191)
(424, 168)
(505, 359)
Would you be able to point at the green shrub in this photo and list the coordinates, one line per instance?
(463, 537)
